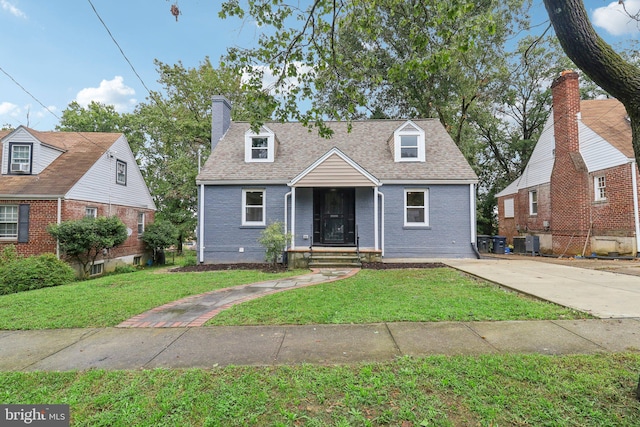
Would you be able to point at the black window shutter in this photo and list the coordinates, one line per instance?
(23, 223)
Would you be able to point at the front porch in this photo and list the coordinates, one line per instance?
(324, 257)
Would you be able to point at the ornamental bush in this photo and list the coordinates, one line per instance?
(34, 272)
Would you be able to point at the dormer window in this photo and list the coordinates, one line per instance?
(20, 158)
(409, 145)
(259, 147)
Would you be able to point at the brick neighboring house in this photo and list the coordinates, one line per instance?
(49, 177)
(579, 190)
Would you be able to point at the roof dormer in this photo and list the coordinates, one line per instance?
(259, 147)
(408, 143)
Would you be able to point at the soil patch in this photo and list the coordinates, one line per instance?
(278, 268)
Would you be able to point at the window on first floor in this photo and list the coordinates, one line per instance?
(508, 208)
(416, 207)
(253, 207)
(600, 188)
(9, 221)
(140, 223)
(533, 202)
(91, 212)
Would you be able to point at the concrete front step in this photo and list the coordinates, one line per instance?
(324, 260)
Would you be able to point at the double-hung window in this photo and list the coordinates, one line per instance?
(533, 202)
(416, 207)
(140, 223)
(409, 143)
(121, 172)
(253, 207)
(20, 158)
(91, 212)
(600, 188)
(9, 221)
(259, 147)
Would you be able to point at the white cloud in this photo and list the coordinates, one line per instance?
(110, 92)
(12, 9)
(7, 108)
(615, 20)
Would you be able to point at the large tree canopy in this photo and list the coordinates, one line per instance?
(597, 59)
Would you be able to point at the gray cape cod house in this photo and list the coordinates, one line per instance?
(382, 190)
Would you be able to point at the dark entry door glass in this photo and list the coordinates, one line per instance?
(334, 216)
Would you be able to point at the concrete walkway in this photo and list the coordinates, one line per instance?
(195, 310)
(209, 347)
(599, 293)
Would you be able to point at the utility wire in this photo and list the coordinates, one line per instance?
(28, 93)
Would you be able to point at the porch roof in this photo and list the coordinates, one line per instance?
(332, 170)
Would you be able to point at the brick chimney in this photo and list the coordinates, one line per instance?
(569, 187)
(566, 108)
(220, 118)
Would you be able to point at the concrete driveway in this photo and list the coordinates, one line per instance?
(602, 294)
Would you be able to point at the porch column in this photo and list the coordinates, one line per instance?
(376, 232)
(293, 217)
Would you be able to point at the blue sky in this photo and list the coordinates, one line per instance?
(59, 51)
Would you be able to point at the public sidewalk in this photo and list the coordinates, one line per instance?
(210, 347)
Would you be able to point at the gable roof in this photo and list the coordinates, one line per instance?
(605, 141)
(80, 151)
(367, 145)
(334, 169)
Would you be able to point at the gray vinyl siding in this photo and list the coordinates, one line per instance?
(364, 216)
(449, 230)
(224, 233)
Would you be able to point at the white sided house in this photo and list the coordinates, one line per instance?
(49, 177)
(382, 190)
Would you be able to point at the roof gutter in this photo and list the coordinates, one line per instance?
(636, 216)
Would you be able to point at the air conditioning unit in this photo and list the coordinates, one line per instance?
(20, 167)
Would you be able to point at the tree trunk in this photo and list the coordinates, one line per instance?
(597, 59)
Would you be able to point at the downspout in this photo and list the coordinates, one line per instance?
(381, 222)
(286, 210)
(59, 220)
(201, 221)
(472, 218)
(293, 217)
(376, 238)
(634, 184)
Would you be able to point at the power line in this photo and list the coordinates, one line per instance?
(29, 93)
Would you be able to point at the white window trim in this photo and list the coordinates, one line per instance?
(508, 206)
(597, 188)
(17, 223)
(118, 181)
(413, 130)
(244, 206)
(531, 192)
(97, 266)
(12, 159)
(248, 147)
(91, 212)
(141, 223)
(425, 207)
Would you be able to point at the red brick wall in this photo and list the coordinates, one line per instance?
(615, 215)
(45, 212)
(569, 178)
(523, 222)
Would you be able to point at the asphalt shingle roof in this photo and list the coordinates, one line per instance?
(81, 151)
(369, 143)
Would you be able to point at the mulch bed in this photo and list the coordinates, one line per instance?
(268, 268)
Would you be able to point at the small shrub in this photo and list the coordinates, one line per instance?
(274, 240)
(34, 272)
(189, 259)
(8, 255)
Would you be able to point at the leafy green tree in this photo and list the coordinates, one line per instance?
(176, 124)
(159, 236)
(83, 240)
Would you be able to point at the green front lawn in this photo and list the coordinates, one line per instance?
(109, 300)
(492, 390)
(412, 295)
